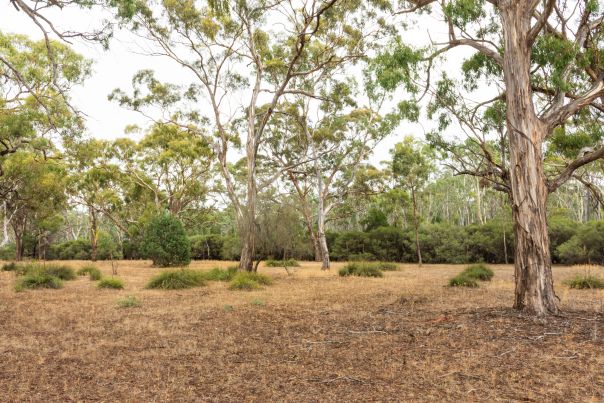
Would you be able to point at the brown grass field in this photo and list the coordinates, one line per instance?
(311, 336)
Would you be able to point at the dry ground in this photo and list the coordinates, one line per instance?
(309, 337)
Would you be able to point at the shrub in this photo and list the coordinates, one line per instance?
(12, 266)
(166, 243)
(59, 271)
(386, 266)
(282, 263)
(206, 246)
(248, 281)
(93, 271)
(111, 282)
(360, 257)
(461, 280)
(586, 281)
(478, 272)
(217, 274)
(177, 280)
(129, 302)
(361, 269)
(38, 280)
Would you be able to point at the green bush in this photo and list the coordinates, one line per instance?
(12, 266)
(478, 272)
(282, 263)
(38, 280)
(166, 243)
(59, 271)
(361, 269)
(111, 282)
(177, 280)
(585, 281)
(461, 280)
(361, 257)
(217, 274)
(94, 273)
(206, 247)
(78, 249)
(248, 281)
(129, 302)
(386, 266)
(7, 252)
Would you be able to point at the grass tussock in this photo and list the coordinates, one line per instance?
(92, 271)
(282, 263)
(361, 269)
(461, 280)
(249, 281)
(11, 266)
(177, 280)
(129, 302)
(111, 283)
(36, 281)
(479, 272)
(585, 282)
(217, 274)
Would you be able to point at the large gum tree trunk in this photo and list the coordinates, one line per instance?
(94, 235)
(248, 230)
(534, 291)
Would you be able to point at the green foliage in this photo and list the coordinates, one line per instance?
(386, 266)
(207, 247)
(129, 302)
(94, 273)
(59, 271)
(586, 281)
(249, 281)
(282, 263)
(110, 283)
(78, 249)
(11, 266)
(361, 269)
(38, 280)
(462, 280)
(478, 272)
(166, 243)
(585, 246)
(217, 274)
(7, 252)
(177, 280)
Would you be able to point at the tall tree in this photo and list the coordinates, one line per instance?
(544, 57)
(242, 65)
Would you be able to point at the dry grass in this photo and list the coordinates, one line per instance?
(314, 337)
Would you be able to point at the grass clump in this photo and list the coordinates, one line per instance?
(585, 282)
(282, 263)
(217, 274)
(177, 280)
(94, 273)
(62, 272)
(12, 266)
(479, 272)
(129, 302)
(111, 283)
(361, 269)
(386, 266)
(462, 280)
(248, 281)
(38, 280)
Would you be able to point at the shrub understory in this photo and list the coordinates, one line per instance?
(38, 280)
(177, 280)
(361, 269)
(111, 282)
(248, 281)
(585, 282)
(282, 263)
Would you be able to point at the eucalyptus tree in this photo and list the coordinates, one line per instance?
(410, 168)
(542, 62)
(241, 64)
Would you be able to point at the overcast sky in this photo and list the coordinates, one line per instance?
(114, 69)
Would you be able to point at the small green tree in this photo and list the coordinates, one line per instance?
(166, 243)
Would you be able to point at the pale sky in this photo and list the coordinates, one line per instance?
(114, 69)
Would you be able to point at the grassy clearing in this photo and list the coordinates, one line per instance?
(361, 269)
(585, 282)
(111, 283)
(282, 263)
(177, 280)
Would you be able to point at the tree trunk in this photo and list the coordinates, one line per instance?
(248, 233)
(325, 263)
(416, 227)
(19, 230)
(534, 283)
(94, 234)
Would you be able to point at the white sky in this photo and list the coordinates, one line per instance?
(114, 69)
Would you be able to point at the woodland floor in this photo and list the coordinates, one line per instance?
(312, 336)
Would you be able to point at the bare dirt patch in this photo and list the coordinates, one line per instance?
(312, 336)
